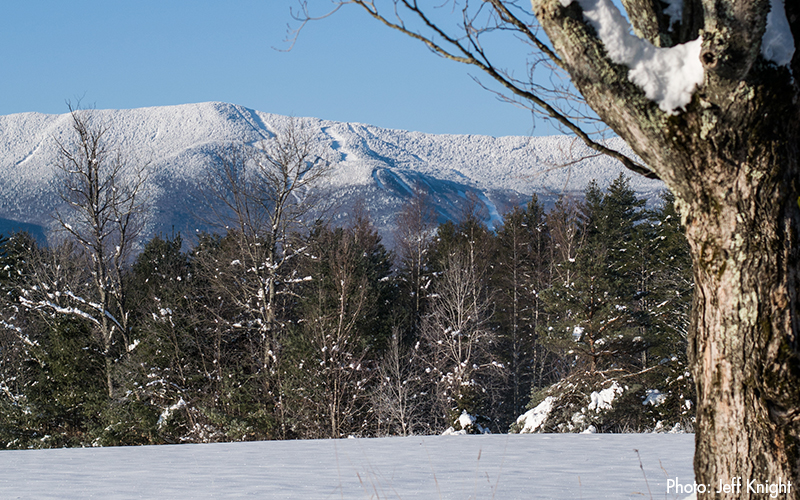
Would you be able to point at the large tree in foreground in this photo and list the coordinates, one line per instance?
(703, 92)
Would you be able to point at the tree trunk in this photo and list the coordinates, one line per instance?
(730, 156)
(743, 344)
(109, 365)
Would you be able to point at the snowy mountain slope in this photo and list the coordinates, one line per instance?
(380, 167)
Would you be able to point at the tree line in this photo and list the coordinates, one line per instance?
(271, 328)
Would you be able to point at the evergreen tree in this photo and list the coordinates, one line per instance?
(53, 375)
(19, 345)
(603, 316)
(594, 307)
(670, 287)
(520, 274)
(665, 299)
(65, 395)
(469, 236)
(413, 239)
(167, 369)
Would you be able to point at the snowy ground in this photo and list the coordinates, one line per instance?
(538, 466)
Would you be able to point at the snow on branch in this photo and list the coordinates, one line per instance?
(57, 309)
(95, 305)
(668, 76)
(777, 44)
(24, 338)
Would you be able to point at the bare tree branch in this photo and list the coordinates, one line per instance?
(467, 48)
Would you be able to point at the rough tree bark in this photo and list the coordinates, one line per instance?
(729, 155)
(731, 159)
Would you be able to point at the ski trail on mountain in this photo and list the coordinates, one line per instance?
(255, 121)
(336, 142)
(29, 155)
(376, 166)
(494, 220)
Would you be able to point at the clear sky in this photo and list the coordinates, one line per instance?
(130, 54)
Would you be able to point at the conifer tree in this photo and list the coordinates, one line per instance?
(168, 368)
(52, 374)
(593, 307)
(520, 274)
(605, 319)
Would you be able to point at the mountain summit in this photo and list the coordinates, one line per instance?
(376, 167)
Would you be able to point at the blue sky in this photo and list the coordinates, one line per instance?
(151, 53)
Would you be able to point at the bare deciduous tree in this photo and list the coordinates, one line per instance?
(458, 335)
(106, 210)
(397, 400)
(261, 195)
(339, 303)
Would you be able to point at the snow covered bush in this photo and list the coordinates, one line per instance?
(466, 424)
(612, 402)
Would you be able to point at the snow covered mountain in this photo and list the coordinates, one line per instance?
(378, 166)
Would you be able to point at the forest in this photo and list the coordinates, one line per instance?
(272, 329)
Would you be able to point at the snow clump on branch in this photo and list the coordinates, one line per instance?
(777, 44)
(668, 76)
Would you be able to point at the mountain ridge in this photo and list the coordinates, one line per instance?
(375, 166)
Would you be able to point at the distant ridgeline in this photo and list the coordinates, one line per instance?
(9, 227)
(376, 169)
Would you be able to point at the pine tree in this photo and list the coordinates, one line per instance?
(595, 306)
(166, 369)
(592, 320)
(615, 312)
(665, 299)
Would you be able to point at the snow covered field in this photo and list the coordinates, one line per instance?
(503, 467)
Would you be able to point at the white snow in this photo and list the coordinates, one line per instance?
(465, 419)
(133, 345)
(451, 431)
(602, 400)
(379, 165)
(529, 467)
(675, 429)
(777, 44)
(654, 397)
(535, 418)
(668, 76)
(162, 419)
